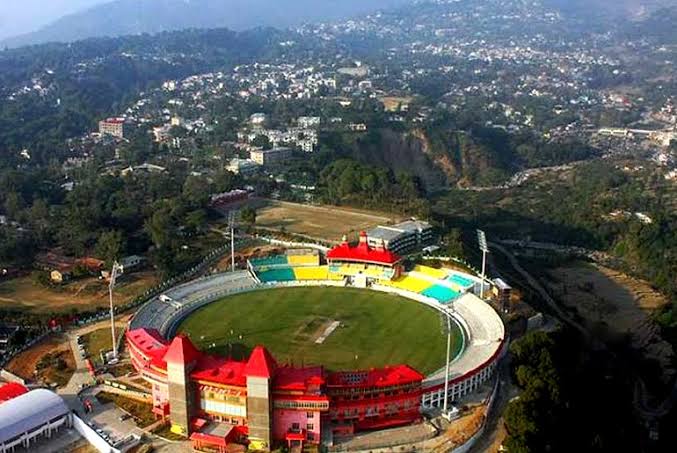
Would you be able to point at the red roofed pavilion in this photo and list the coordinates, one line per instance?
(363, 253)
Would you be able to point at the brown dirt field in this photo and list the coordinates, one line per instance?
(25, 294)
(247, 253)
(25, 364)
(322, 222)
(392, 103)
(620, 303)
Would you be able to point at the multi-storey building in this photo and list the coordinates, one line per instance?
(271, 157)
(403, 237)
(115, 127)
(216, 401)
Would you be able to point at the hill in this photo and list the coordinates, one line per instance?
(132, 17)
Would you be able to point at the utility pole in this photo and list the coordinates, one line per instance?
(113, 277)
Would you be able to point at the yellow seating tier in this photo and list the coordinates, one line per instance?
(409, 283)
(439, 274)
(303, 260)
(312, 273)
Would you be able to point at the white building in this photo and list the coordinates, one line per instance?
(32, 416)
(403, 237)
(242, 166)
(308, 122)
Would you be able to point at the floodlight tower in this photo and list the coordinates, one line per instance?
(117, 269)
(231, 226)
(482, 240)
(447, 322)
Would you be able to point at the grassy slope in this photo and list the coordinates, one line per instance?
(380, 329)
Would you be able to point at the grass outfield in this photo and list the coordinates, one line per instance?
(377, 329)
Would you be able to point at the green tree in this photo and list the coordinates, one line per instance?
(110, 246)
(248, 215)
(454, 243)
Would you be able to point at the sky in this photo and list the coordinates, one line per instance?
(23, 16)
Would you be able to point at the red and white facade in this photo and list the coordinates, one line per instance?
(296, 404)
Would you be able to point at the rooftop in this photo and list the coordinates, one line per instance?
(11, 391)
(298, 379)
(380, 377)
(29, 411)
(260, 363)
(181, 351)
(363, 253)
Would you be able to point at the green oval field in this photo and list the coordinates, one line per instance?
(374, 329)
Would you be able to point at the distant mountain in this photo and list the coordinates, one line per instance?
(130, 17)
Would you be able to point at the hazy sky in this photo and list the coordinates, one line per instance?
(22, 16)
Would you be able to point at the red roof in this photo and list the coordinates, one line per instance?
(149, 341)
(381, 377)
(363, 253)
(181, 351)
(220, 371)
(260, 363)
(11, 391)
(298, 379)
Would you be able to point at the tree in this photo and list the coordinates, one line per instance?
(262, 141)
(160, 226)
(454, 243)
(110, 246)
(248, 215)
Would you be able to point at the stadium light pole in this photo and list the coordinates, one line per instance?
(111, 285)
(231, 224)
(482, 240)
(446, 372)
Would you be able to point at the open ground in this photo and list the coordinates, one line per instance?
(376, 329)
(321, 222)
(27, 295)
(26, 364)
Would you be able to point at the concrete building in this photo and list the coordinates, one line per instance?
(242, 166)
(308, 122)
(403, 237)
(271, 157)
(114, 127)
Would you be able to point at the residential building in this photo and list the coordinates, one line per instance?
(271, 157)
(114, 127)
(242, 166)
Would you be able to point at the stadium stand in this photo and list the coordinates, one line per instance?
(303, 260)
(438, 274)
(155, 313)
(275, 260)
(484, 343)
(441, 293)
(312, 273)
(409, 283)
(464, 282)
(279, 274)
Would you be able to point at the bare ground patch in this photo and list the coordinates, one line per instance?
(26, 364)
(87, 294)
(322, 222)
